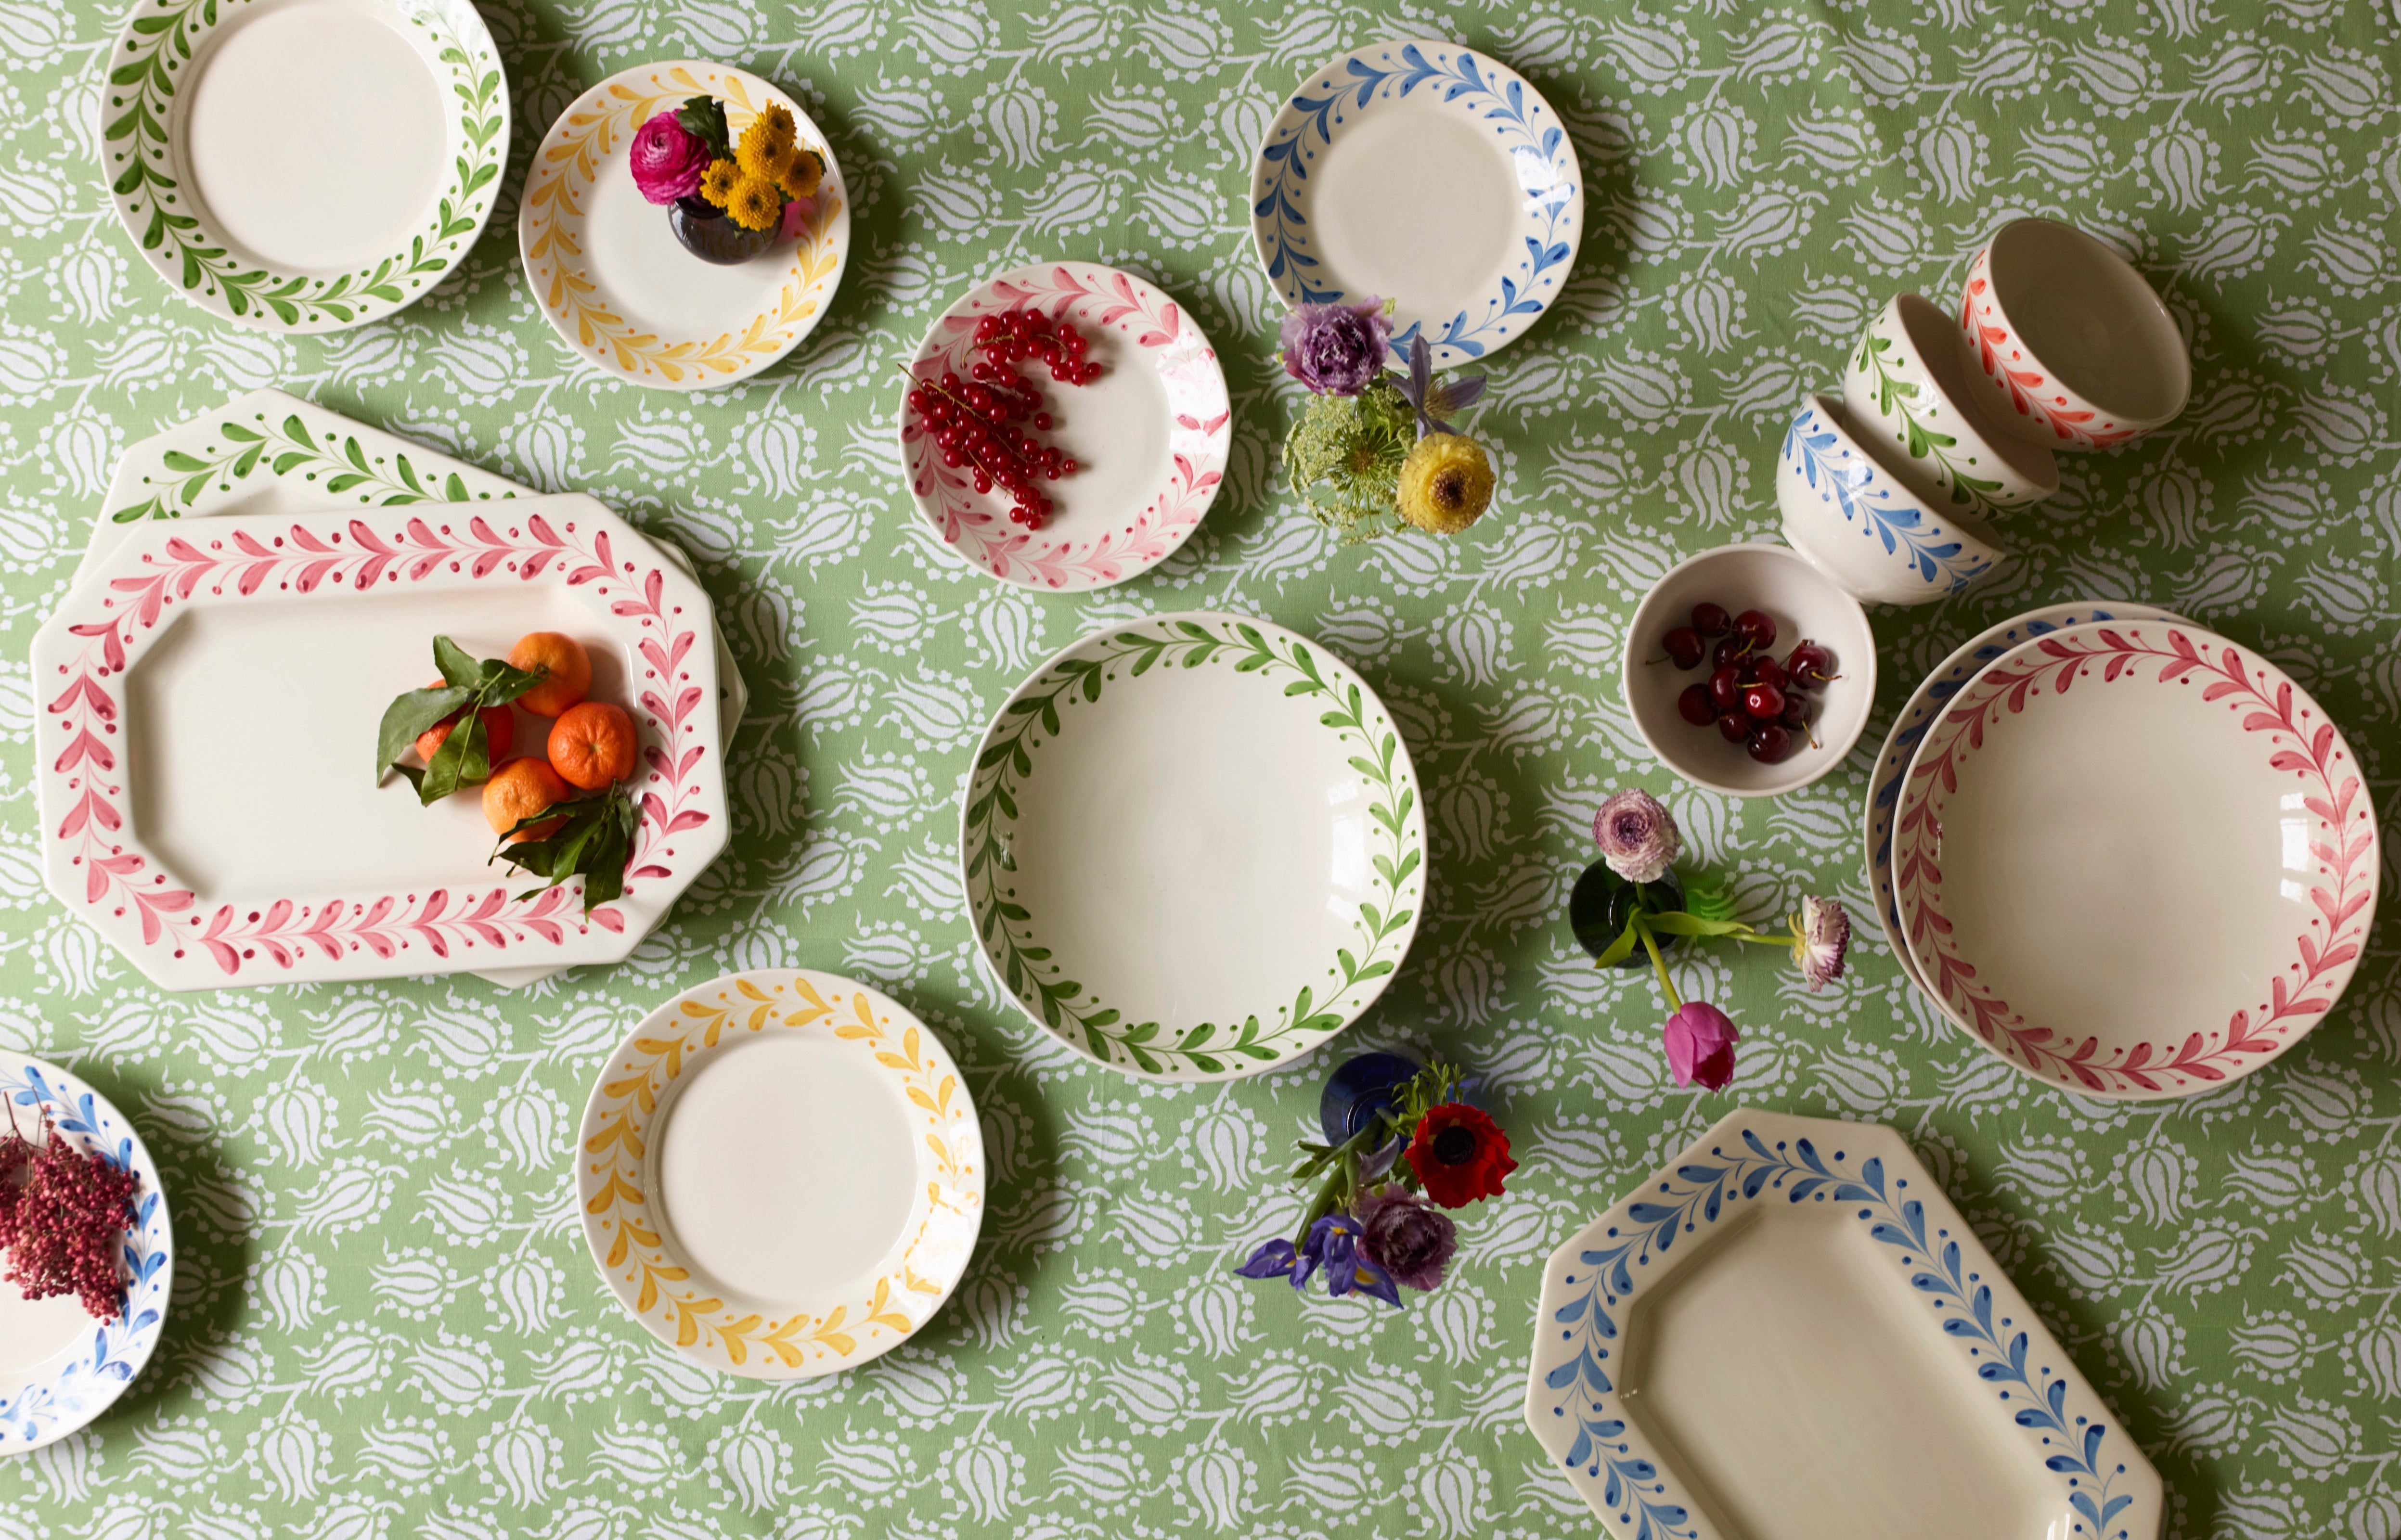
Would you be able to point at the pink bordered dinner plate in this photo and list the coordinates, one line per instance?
(1150, 436)
(210, 693)
(2136, 860)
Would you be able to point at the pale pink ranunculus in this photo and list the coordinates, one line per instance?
(1637, 836)
(1700, 1046)
(667, 159)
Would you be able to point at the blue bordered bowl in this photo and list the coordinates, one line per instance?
(68, 1367)
(1858, 522)
(1424, 173)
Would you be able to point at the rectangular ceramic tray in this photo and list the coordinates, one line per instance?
(1790, 1334)
(210, 693)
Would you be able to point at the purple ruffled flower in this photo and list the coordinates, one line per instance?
(1821, 938)
(1700, 1046)
(667, 159)
(1407, 1237)
(1336, 349)
(1637, 836)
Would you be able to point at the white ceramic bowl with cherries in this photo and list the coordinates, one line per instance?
(1748, 670)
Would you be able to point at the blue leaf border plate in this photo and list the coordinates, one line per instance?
(2021, 1396)
(1546, 189)
(90, 1367)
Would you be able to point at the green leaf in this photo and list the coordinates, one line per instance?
(595, 840)
(1678, 922)
(410, 714)
(463, 760)
(457, 665)
(1620, 949)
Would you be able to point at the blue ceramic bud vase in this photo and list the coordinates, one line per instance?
(1361, 1086)
(709, 234)
(1602, 900)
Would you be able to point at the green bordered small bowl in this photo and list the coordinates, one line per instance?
(1194, 847)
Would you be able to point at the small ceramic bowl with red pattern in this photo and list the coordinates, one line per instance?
(2075, 351)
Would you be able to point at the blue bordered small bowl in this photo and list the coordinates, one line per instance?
(68, 1367)
(1862, 525)
(1424, 173)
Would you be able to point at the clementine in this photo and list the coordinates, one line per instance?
(570, 671)
(499, 732)
(520, 789)
(592, 746)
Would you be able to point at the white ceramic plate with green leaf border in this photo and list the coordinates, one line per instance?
(1193, 847)
(304, 165)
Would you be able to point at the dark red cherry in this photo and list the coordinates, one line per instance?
(1762, 702)
(1754, 627)
(1809, 664)
(1684, 647)
(1725, 689)
(1769, 744)
(1695, 707)
(1766, 671)
(1733, 727)
(1712, 620)
(1730, 651)
(1796, 711)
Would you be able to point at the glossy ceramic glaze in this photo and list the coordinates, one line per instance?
(780, 1173)
(1788, 1332)
(1857, 521)
(1193, 847)
(610, 273)
(2073, 349)
(1337, 211)
(1804, 604)
(2222, 837)
(1908, 387)
(1885, 784)
(206, 874)
(59, 1367)
(304, 165)
(1150, 436)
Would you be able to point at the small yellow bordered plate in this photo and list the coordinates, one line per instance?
(610, 274)
(781, 1174)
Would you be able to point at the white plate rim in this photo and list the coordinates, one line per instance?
(1946, 680)
(478, 90)
(120, 1348)
(1198, 440)
(1461, 72)
(938, 1082)
(401, 548)
(678, 364)
(1308, 668)
(1580, 1418)
(2160, 1070)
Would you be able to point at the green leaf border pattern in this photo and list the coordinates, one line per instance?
(1893, 397)
(1004, 929)
(160, 38)
(338, 461)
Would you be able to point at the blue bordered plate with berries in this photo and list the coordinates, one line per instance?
(1789, 1330)
(60, 1367)
(1425, 174)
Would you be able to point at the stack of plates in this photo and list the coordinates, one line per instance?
(331, 555)
(2132, 858)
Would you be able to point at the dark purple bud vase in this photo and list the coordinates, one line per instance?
(1598, 907)
(1361, 1086)
(708, 233)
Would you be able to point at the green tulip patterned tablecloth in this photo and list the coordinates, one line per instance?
(384, 1321)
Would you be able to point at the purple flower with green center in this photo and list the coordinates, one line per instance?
(1821, 938)
(1637, 836)
(1336, 349)
(1406, 1235)
(1433, 403)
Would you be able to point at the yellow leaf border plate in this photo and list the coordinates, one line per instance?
(633, 1239)
(552, 238)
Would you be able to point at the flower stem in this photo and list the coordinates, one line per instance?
(1651, 945)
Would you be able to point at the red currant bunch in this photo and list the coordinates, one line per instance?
(1749, 697)
(63, 1210)
(975, 422)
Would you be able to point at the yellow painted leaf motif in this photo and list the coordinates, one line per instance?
(832, 1336)
(878, 1314)
(734, 1334)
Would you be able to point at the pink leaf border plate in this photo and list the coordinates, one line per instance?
(2136, 860)
(399, 575)
(1152, 434)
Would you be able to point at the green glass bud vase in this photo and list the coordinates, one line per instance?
(1602, 900)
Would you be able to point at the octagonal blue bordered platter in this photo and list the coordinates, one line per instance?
(1423, 75)
(86, 1371)
(2025, 1399)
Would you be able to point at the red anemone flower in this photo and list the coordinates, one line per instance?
(1460, 1154)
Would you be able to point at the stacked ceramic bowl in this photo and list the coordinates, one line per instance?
(1945, 422)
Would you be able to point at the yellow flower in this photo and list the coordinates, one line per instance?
(756, 205)
(808, 172)
(1445, 484)
(718, 183)
(767, 147)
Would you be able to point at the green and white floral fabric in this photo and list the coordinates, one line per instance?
(384, 1322)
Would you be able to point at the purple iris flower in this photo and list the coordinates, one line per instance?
(1434, 402)
(1332, 1244)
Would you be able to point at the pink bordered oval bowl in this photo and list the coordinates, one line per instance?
(2136, 860)
(210, 695)
(1150, 437)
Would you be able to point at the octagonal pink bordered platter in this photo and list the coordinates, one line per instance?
(2136, 860)
(1151, 434)
(208, 696)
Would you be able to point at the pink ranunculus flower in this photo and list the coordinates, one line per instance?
(1821, 937)
(1700, 1045)
(1637, 836)
(667, 159)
